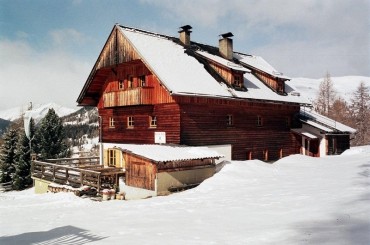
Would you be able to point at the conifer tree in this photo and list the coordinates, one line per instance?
(50, 137)
(8, 156)
(360, 108)
(22, 177)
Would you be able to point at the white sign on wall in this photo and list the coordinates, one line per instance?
(160, 137)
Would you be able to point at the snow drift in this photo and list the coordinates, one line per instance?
(297, 200)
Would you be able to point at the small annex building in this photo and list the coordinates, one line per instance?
(321, 135)
(152, 170)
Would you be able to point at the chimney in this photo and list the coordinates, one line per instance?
(226, 46)
(185, 34)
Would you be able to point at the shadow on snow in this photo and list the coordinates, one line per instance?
(65, 235)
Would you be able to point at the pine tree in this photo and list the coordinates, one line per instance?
(22, 177)
(360, 108)
(8, 156)
(326, 96)
(50, 137)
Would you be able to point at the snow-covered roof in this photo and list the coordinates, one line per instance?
(167, 153)
(182, 74)
(260, 64)
(222, 61)
(256, 89)
(310, 117)
(179, 72)
(304, 133)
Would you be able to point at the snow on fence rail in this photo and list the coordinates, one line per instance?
(76, 161)
(6, 186)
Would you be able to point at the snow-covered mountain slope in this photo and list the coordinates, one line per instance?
(85, 115)
(345, 86)
(297, 200)
(39, 110)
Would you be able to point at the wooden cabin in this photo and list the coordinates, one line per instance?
(153, 170)
(151, 88)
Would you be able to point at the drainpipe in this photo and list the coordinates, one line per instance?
(101, 146)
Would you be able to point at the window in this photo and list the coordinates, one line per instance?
(130, 122)
(120, 85)
(142, 82)
(229, 120)
(287, 122)
(259, 121)
(153, 121)
(237, 81)
(111, 157)
(130, 80)
(265, 155)
(111, 122)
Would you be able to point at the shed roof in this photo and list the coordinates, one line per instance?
(304, 133)
(310, 117)
(169, 153)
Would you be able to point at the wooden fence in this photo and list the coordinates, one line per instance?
(76, 173)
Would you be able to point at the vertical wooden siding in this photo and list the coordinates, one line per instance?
(152, 93)
(117, 50)
(140, 172)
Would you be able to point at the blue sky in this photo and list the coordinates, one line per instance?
(47, 48)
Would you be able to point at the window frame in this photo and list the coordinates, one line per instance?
(130, 81)
(238, 80)
(287, 122)
(121, 85)
(229, 120)
(259, 121)
(130, 122)
(111, 122)
(142, 81)
(112, 157)
(153, 121)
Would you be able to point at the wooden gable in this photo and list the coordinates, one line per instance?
(117, 51)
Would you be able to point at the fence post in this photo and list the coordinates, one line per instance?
(99, 182)
(81, 178)
(67, 176)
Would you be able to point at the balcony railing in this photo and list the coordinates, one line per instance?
(134, 96)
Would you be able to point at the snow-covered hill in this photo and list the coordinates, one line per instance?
(345, 86)
(297, 200)
(39, 110)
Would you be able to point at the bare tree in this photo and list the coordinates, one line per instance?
(360, 110)
(340, 111)
(326, 96)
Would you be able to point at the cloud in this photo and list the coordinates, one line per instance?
(41, 76)
(67, 37)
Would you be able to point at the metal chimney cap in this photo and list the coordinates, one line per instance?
(186, 28)
(227, 35)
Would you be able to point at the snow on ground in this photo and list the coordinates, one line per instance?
(297, 200)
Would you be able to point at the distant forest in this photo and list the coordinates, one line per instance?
(3, 125)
